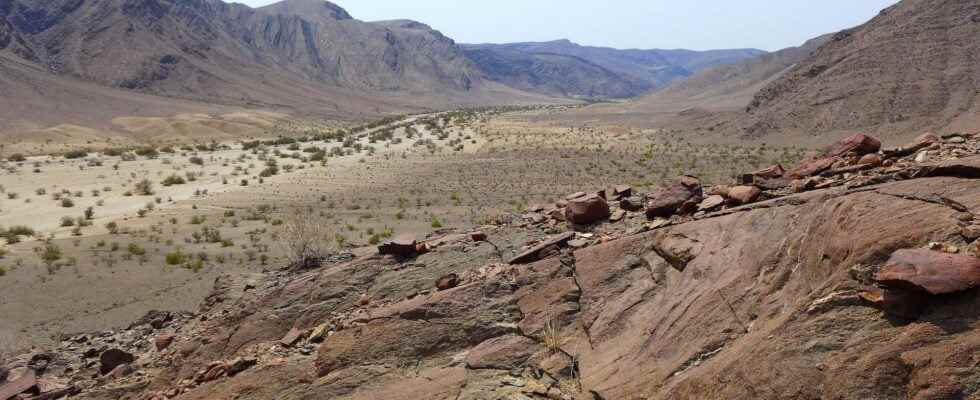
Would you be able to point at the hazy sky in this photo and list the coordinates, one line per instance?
(692, 24)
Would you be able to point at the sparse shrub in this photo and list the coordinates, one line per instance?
(135, 249)
(113, 228)
(16, 157)
(173, 180)
(67, 221)
(305, 239)
(144, 187)
(74, 154)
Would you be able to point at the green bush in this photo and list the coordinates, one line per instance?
(175, 258)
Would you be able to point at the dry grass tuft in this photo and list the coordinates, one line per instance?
(305, 238)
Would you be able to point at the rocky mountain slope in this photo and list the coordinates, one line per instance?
(566, 68)
(912, 67)
(851, 275)
(297, 56)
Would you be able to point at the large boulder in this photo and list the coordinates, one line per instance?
(680, 197)
(587, 209)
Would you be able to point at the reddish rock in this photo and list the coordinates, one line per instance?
(681, 197)
(621, 192)
(587, 210)
(533, 254)
(711, 203)
(122, 371)
(719, 190)
(215, 371)
(240, 364)
(399, 247)
(772, 172)
(859, 144)
(870, 159)
(164, 340)
(744, 194)
(291, 337)
(112, 358)
(811, 168)
(447, 282)
(20, 385)
(930, 271)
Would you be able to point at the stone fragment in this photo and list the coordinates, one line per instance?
(478, 236)
(532, 254)
(319, 333)
(711, 203)
(873, 160)
(772, 172)
(586, 210)
(504, 353)
(240, 364)
(447, 282)
(112, 358)
(291, 337)
(859, 144)
(632, 203)
(930, 271)
(681, 197)
(810, 168)
(621, 192)
(400, 247)
(744, 194)
(164, 340)
(20, 385)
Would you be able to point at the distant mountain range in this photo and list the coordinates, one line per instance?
(564, 68)
(301, 56)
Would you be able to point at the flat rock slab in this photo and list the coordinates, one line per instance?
(18, 386)
(930, 271)
(504, 352)
(531, 255)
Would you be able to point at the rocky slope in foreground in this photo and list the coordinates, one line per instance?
(850, 276)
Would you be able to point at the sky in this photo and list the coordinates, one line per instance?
(646, 24)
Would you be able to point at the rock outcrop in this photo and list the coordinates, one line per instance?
(864, 288)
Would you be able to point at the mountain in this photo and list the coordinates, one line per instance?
(567, 68)
(911, 68)
(727, 87)
(298, 56)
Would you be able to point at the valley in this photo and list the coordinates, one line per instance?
(203, 199)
